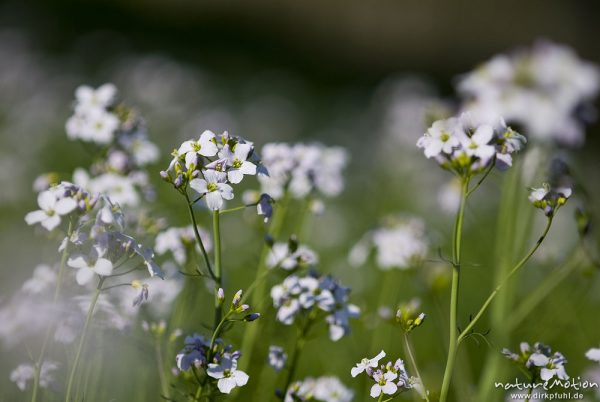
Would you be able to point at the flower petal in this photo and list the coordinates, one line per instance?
(199, 186)
(65, 205)
(84, 275)
(214, 200)
(103, 267)
(35, 217)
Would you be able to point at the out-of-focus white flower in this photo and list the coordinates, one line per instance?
(88, 265)
(92, 121)
(25, 372)
(290, 258)
(539, 88)
(277, 357)
(593, 354)
(400, 243)
(89, 98)
(448, 196)
(44, 277)
(302, 168)
(176, 240)
(322, 389)
(120, 189)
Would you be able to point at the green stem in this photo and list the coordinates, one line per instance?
(529, 393)
(300, 342)
(413, 362)
(456, 254)
(512, 272)
(535, 297)
(380, 397)
(251, 331)
(218, 268)
(61, 272)
(198, 238)
(86, 327)
(161, 366)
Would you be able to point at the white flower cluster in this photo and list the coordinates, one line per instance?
(539, 361)
(302, 295)
(302, 169)
(99, 119)
(321, 389)
(98, 243)
(539, 88)
(593, 354)
(179, 240)
(59, 201)
(469, 143)
(93, 120)
(219, 363)
(290, 256)
(549, 199)
(25, 373)
(210, 164)
(390, 379)
(399, 243)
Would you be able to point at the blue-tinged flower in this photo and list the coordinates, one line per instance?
(51, 209)
(227, 374)
(277, 357)
(366, 363)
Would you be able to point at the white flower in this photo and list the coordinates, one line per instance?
(88, 265)
(214, 187)
(367, 363)
(280, 255)
(176, 240)
(191, 150)
(331, 389)
(277, 357)
(88, 98)
(384, 383)
(227, 374)
(51, 209)
(43, 278)
(400, 243)
(440, 137)
(478, 143)
(25, 372)
(237, 162)
(539, 88)
(593, 354)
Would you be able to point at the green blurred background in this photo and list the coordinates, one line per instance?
(268, 70)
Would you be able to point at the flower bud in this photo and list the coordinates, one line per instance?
(220, 296)
(237, 298)
(251, 317)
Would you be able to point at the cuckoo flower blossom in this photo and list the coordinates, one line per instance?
(214, 188)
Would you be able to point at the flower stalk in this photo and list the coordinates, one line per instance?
(82, 339)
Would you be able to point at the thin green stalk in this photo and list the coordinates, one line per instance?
(300, 342)
(218, 268)
(456, 254)
(413, 362)
(512, 272)
(380, 397)
(86, 327)
(198, 238)
(529, 393)
(251, 332)
(535, 297)
(161, 367)
(61, 272)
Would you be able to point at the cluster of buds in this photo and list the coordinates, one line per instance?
(549, 199)
(408, 315)
(236, 306)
